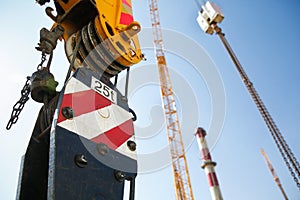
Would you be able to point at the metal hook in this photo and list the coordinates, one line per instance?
(49, 11)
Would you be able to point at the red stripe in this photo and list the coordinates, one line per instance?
(126, 18)
(116, 136)
(205, 154)
(201, 133)
(210, 181)
(126, 3)
(215, 179)
(82, 102)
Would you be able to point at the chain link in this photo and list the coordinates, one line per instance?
(18, 107)
(283, 154)
(43, 59)
(286, 153)
(276, 135)
(289, 153)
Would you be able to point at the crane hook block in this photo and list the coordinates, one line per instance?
(108, 34)
(42, 85)
(208, 15)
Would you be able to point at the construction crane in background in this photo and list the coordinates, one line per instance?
(209, 16)
(179, 163)
(272, 170)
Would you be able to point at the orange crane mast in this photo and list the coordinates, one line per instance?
(179, 163)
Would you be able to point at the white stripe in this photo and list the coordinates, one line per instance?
(123, 149)
(92, 124)
(75, 85)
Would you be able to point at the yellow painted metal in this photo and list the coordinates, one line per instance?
(69, 5)
(71, 15)
(182, 182)
(121, 38)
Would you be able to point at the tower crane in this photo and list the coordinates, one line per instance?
(272, 170)
(179, 163)
(209, 16)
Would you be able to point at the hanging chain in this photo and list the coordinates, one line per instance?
(43, 59)
(283, 154)
(18, 107)
(285, 151)
(282, 146)
(289, 151)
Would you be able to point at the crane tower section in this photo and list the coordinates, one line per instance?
(179, 163)
(208, 19)
(272, 170)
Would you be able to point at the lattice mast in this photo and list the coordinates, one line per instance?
(275, 177)
(208, 18)
(179, 163)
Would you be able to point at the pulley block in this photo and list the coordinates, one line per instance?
(108, 41)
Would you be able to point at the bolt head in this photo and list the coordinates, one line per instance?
(120, 176)
(67, 112)
(135, 28)
(102, 149)
(131, 145)
(80, 160)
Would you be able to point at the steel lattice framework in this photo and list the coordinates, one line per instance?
(179, 163)
(284, 149)
(272, 170)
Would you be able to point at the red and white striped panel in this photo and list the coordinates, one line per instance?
(97, 118)
(212, 179)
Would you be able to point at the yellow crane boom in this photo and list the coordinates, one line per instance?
(179, 163)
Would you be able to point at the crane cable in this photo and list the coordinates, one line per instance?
(198, 4)
(285, 151)
(282, 146)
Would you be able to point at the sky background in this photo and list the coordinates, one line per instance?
(264, 36)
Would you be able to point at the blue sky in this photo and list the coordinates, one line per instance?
(263, 34)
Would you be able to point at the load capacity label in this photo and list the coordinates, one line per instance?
(104, 90)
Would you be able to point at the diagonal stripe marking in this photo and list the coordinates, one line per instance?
(126, 19)
(123, 149)
(92, 124)
(74, 85)
(116, 136)
(83, 102)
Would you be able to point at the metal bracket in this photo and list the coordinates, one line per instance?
(48, 39)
